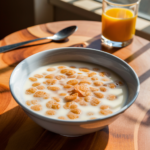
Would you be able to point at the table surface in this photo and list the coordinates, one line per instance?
(131, 131)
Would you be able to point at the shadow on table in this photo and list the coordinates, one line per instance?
(17, 131)
(93, 141)
(96, 43)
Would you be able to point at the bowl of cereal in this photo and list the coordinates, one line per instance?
(74, 91)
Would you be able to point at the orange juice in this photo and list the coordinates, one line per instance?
(118, 24)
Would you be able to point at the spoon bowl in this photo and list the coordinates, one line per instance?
(64, 33)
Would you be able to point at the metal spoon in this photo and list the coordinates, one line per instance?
(59, 36)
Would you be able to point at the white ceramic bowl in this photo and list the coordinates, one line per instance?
(67, 127)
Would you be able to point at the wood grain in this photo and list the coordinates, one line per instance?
(19, 132)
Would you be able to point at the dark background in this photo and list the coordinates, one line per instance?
(15, 15)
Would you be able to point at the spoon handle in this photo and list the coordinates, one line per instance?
(12, 46)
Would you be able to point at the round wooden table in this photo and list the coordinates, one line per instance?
(129, 132)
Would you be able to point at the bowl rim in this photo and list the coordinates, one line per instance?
(75, 121)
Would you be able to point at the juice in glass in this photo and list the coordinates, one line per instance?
(118, 24)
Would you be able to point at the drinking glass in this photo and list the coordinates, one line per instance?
(118, 22)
